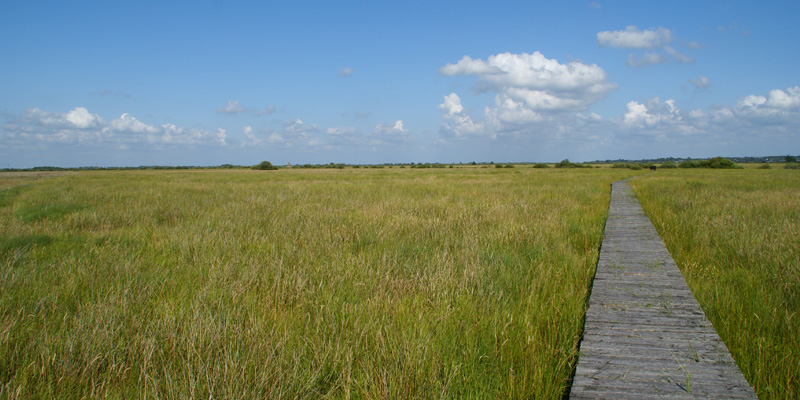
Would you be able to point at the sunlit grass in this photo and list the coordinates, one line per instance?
(457, 283)
(736, 237)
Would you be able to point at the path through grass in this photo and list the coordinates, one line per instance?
(735, 234)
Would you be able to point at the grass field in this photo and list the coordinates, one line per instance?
(391, 283)
(735, 234)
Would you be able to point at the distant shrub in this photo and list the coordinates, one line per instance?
(721, 162)
(668, 164)
(633, 166)
(716, 162)
(790, 159)
(690, 164)
(764, 166)
(792, 166)
(565, 163)
(264, 166)
(639, 166)
(541, 165)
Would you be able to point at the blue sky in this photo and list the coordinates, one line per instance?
(213, 82)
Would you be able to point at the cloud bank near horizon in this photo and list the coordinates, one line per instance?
(518, 115)
(545, 101)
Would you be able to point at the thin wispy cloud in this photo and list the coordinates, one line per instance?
(233, 107)
(634, 38)
(648, 59)
(654, 42)
(700, 82)
(266, 111)
(111, 93)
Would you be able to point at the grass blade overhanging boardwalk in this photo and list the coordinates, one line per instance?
(646, 335)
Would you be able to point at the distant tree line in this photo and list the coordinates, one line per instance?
(669, 162)
(677, 160)
(141, 167)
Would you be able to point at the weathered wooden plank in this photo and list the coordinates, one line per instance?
(618, 333)
(645, 335)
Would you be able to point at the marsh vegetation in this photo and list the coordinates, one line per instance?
(354, 283)
(464, 282)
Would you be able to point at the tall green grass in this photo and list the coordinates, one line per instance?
(457, 283)
(736, 237)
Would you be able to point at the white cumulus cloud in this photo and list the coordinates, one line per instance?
(534, 72)
(530, 88)
(127, 123)
(77, 118)
(510, 113)
(777, 103)
(637, 115)
(297, 126)
(248, 133)
(391, 129)
(457, 121)
(391, 134)
(81, 118)
(79, 126)
(221, 136)
(452, 105)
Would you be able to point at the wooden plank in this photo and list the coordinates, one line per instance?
(645, 334)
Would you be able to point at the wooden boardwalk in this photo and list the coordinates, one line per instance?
(645, 335)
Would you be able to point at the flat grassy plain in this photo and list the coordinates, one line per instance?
(735, 234)
(354, 283)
